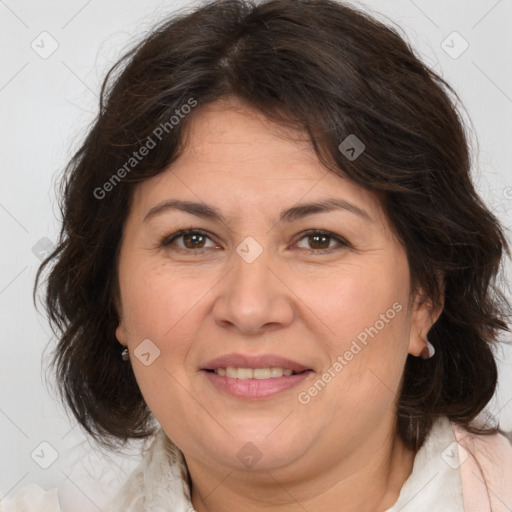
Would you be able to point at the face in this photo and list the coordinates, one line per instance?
(274, 283)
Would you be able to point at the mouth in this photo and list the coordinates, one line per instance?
(254, 377)
(263, 366)
(255, 373)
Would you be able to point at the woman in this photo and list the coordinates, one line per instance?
(274, 265)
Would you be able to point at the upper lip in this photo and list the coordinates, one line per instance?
(259, 361)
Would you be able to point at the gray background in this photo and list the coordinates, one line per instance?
(47, 100)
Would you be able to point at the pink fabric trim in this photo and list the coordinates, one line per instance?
(486, 471)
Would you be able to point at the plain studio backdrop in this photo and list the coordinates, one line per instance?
(54, 57)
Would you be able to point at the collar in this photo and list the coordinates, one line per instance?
(435, 481)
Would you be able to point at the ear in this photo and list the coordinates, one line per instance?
(425, 313)
(121, 334)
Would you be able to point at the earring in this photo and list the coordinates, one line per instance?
(125, 354)
(428, 351)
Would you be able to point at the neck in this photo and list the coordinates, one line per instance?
(368, 479)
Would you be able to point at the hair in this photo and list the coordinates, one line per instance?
(328, 70)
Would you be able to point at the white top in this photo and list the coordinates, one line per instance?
(435, 482)
(159, 482)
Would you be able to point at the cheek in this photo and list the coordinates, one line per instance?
(364, 314)
(157, 300)
(164, 309)
(367, 299)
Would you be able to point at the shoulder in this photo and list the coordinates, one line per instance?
(485, 467)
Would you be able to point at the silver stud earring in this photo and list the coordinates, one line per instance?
(428, 351)
(125, 354)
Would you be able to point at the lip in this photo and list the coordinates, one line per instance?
(255, 389)
(258, 361)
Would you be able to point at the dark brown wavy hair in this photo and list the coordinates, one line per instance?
(330, 70)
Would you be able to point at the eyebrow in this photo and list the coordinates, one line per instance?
(292, 214)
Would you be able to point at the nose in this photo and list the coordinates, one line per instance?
(253, 297)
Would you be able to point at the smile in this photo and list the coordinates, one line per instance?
(257, 383)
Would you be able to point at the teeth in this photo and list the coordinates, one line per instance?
(244, 373)
(262, 373)
(256, 373)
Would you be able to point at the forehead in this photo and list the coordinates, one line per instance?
(235, 158)
(229, 127)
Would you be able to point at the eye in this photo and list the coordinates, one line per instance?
(194, 239)
(320, 241)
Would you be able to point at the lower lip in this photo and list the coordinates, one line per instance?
(255, 388)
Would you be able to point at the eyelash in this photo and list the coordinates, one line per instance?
(168, 240)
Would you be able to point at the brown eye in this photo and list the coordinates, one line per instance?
(193, 239)
(320, 241)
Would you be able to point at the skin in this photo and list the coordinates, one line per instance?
(198, 299)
